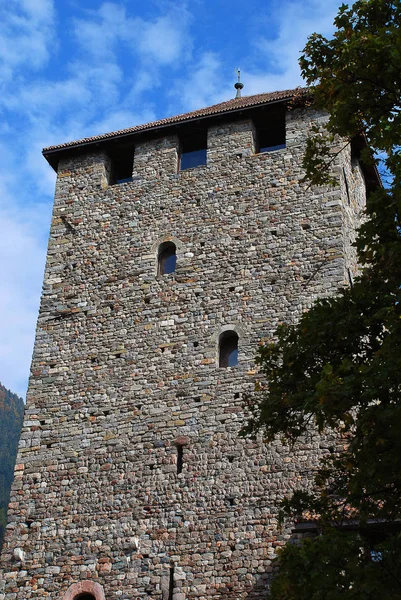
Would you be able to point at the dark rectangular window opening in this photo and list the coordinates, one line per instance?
(193, 150)
(122, 160)
(355, 152)
(180, 454)
(270, 131)
(171, 583)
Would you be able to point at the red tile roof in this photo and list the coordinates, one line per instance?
(223, 107)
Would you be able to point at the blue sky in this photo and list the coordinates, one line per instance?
(73, 68)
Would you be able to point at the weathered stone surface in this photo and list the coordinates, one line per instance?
(125, 368)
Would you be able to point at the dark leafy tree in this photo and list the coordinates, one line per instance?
(340, 367)
(11, 415)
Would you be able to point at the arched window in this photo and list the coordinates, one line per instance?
(85, 590)
(167, 258)
(228, 349)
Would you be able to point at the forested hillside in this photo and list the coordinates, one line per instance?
(11, 414)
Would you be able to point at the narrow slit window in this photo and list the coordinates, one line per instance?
(167, 259)
(350, 278)
(228, 349)
(180, 458)
(193, 151)
(346, 186)
(270, 132)
(171, 583)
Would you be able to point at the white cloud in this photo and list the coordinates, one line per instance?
(144, 80)
(98, 33)
(162, 40)
(26, 32)
(22, 254)
(38, 11)
(269, 63)
(45, 99)
(295, 21)
(26, 38)
(205, 84)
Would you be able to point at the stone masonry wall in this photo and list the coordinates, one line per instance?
(125, 368)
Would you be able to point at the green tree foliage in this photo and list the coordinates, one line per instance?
(11, 415)
(340, 367)
(335, 565)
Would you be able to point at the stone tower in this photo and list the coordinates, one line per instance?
(175, 248)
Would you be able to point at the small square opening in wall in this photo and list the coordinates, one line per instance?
(269, 131)
(122, 160)
(193, 150)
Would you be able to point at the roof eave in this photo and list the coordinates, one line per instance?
(52, 154)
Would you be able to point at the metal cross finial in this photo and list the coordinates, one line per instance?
(238, 85)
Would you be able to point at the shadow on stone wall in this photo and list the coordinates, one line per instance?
(260, 589)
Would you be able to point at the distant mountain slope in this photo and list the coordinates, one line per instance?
(11, 415)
